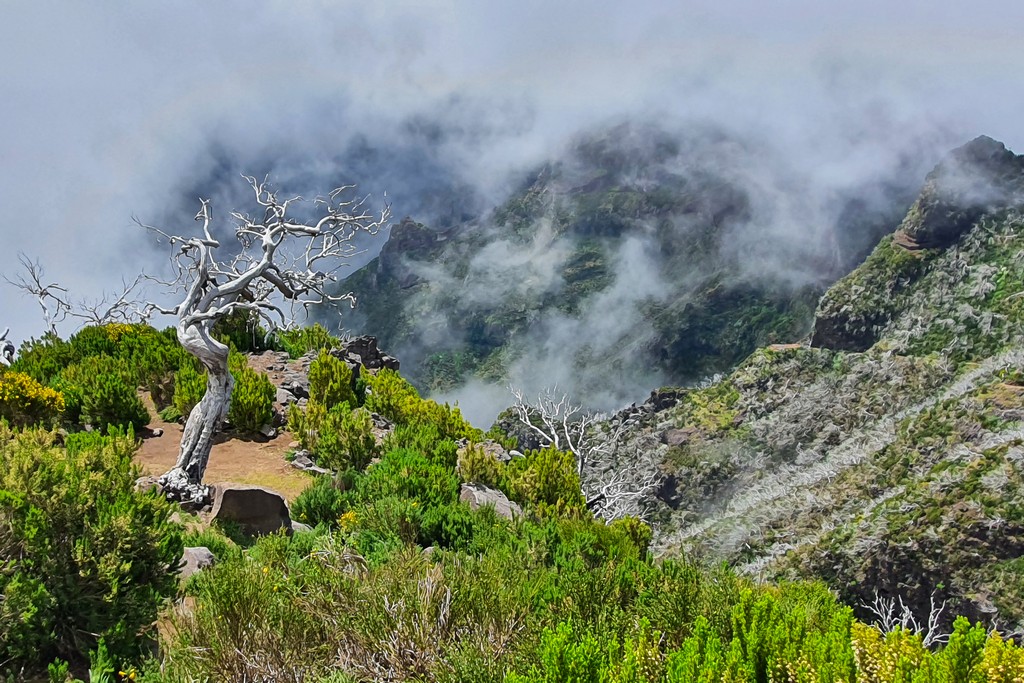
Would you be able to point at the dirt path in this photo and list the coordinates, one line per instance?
(240, 461)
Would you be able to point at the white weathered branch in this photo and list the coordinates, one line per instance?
(893, 613)
(560, 423)
(6, 348)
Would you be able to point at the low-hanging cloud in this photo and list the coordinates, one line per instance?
(116, 110)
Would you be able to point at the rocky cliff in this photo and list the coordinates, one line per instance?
(885, 454)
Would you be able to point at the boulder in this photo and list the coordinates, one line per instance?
(477, 496)
(363, 351)
(300, 527)
(194, 560)
(256, 510)
(302, 460)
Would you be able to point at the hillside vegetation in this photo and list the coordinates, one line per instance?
(880, 463)
(886, 456)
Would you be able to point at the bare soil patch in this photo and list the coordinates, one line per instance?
(233, 459)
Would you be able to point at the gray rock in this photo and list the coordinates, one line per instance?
(194, 560)
(302, 461)
(515, 454)
(300, 527)
(490, 447)
(285, 397)
(296, 384)
(477, 496)
(256, 510)
(268, 430)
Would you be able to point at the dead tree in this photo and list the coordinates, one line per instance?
(6, 348)
(610, 493)
(57, 305)
(283, 265)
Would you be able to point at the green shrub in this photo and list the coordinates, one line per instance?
(105, 386)
(330, 381)
(189, 385)
(300, 341)
(338, 438)
(84, 555)
(396, 399)
(425, 438)
(322, 503)
(43, 359)
(477, 466)
(170, 414)
(252, 400)
(547, 481)
(109, 400)
(409, 474)
(447, 526)
(241, 331)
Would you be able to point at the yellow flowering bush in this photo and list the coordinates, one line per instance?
(24, 401)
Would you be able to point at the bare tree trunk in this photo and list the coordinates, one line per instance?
(185, 480)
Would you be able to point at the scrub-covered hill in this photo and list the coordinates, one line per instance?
(886, 455)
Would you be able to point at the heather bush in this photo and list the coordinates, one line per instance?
(477, 466)
(252, 400)
(84, 557)
(338, 438)
(43, 359)
(323, 502)
(240, 330)
(547, 481)
(189, 385)
(330, 381)
(390, 395)
(301, 340)
(101, 389)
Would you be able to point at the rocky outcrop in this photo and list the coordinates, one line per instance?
(291, 377)
(971, 180)
(978, 178)
(886, 457)
(363, 352)
(256, 510)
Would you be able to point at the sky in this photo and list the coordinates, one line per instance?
(119, 109)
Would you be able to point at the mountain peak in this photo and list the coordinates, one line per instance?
(980, 176)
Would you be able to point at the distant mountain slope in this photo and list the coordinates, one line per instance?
(641, 257)
(887, 455)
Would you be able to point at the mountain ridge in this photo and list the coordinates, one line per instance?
(884, 454)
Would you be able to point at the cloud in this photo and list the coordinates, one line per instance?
(121, 109)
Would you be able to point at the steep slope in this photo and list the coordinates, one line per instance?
(641, 256)
(887, 456)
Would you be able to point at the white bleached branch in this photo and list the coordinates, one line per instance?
(558, 422)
